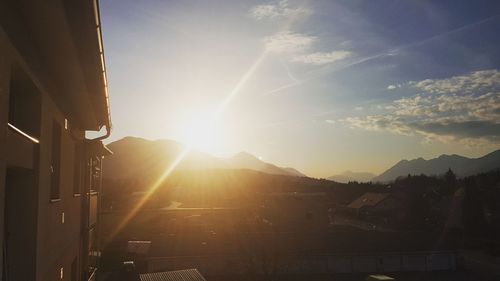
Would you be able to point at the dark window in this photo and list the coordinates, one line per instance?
(77, 173)
(95, 167)
(55, 162)
(74, 269)
(24, 104)
(93, 197)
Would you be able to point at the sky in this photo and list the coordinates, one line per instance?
(321, 86)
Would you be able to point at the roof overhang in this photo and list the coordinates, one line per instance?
(67, 47)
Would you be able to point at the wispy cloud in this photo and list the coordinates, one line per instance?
(278, 10)
(460, 108)
(319, 58)
(296, 46)
(288, 42)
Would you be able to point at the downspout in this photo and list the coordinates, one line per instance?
(105, 136)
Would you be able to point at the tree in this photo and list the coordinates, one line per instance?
(450, 183)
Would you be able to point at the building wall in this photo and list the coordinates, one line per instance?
(58, 240)
(57, 224)
(4, 104)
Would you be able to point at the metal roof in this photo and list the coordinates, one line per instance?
(177, 275)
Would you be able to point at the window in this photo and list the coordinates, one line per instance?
(93, 197)
(24, 104)
(95, 168)
(74, 269)
(55, 162)
(77, 169)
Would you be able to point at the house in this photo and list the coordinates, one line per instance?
(53, 91)
(372, 203)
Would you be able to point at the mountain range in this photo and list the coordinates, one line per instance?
(137, 158)
(460, 165)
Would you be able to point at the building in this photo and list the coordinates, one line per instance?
(378, 204)
(52, 91)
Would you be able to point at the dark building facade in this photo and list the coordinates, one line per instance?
(53, 90)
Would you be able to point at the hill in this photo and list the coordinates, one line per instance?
(461, 166)
(140, 158)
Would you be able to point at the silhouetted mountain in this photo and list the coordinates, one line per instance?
(244, 160)
(294, 171)
(137, 158)
(348, 176)
(461, 166)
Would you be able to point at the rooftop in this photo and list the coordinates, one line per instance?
(368, 199)
(177, 275)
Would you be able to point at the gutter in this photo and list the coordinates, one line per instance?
(97, 17)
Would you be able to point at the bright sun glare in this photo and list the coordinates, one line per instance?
(201, 131)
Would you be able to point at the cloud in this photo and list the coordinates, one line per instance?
(278, 10)
(397, 86)
(470, 83)
(321, 58)
(288, 42)
(463, 129)
(296, 46)
(461, 108)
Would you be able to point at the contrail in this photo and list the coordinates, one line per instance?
(286, 86)
(290, 85)
(288, 72)
(390, 52)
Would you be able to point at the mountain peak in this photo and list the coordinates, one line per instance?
(244, 155)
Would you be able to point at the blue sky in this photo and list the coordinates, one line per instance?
(323, 86)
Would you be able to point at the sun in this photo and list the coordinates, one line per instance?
(201, 131)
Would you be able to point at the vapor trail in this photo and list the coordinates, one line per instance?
(390, 52)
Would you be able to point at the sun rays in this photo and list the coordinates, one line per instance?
(211, 119)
